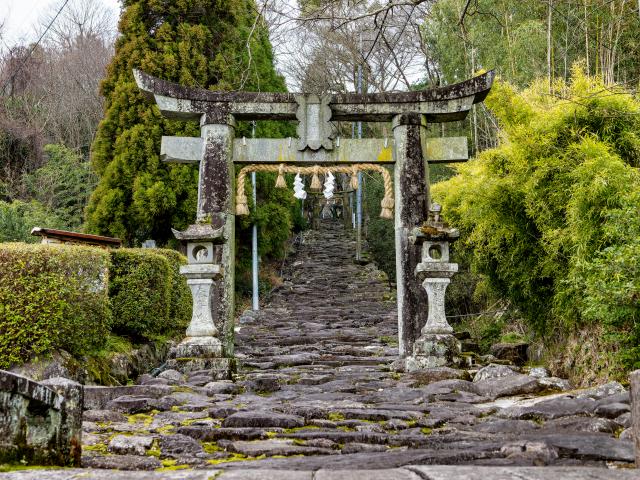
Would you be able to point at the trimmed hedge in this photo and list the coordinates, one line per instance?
(146, 292)
(181, 301)
(51, 298)
(72, 297)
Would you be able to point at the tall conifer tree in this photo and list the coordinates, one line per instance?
(194, 42)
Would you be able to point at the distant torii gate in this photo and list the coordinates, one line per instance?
(211, 241)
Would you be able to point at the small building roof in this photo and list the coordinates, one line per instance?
(76, 237)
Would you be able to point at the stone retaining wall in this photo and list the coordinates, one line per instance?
(634, 390)
(40, 423)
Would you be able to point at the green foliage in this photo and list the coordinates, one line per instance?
(50, 298)
(380, 234)
(181, 303)
(148, 298)
(511, 36)
(62, 185)
(512, 39)
(18, 218)
(195, 43)
(277, 214)
(550, 217)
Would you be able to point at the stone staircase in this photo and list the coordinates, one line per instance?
(329, 311)
(315, 398)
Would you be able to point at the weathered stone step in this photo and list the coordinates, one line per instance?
(342, 471)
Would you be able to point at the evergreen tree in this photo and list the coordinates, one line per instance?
(194, 42)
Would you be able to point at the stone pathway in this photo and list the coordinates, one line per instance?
(315, 398)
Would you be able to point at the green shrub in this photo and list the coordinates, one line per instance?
(139, 289)
(181, 302)
(18, 218)
(51, 298)
(149, 297)
(550, 217)
(277, 214)
(380, 234)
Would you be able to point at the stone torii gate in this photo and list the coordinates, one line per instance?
(210, 242)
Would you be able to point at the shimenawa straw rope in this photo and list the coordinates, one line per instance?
(387, 203)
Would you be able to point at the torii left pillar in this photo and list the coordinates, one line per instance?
(216, 213)
(411, 206)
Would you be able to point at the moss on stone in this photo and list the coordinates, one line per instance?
(335, 416)
(173, 467)
(6, 468)
(171, 464)
(98, 447)
(298, 429)
(181, 389)
(191, 421)
(154, 451)
(211, 447)
(344, 428)
(144, 418)
(234, 457)
(166, 429)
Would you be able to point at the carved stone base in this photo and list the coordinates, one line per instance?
(218, 368)
(433, 350)
(197, 354)
(202, 347)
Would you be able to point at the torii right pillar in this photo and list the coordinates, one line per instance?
(411, 178)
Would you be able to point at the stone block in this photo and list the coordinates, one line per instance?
(634, 387)
(73, 401)
(218, 368)
(432, 351)
(40, 424)
(197, 347)
(97, 397)
(515, 353)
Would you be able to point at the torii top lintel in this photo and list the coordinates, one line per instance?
(443, 104)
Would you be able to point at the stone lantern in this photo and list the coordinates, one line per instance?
(202, 348)
(436, 345)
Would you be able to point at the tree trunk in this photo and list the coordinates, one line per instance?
(549, 66)
(586, 36)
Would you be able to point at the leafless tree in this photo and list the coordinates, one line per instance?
(51, 93)
(321, 48)
(80, 20)
(65, 100)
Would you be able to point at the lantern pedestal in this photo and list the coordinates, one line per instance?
(202, 349)
(436, 346)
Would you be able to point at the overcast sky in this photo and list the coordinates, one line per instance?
(21, 16)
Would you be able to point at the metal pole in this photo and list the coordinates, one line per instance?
(255, 298)
(359, 190)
